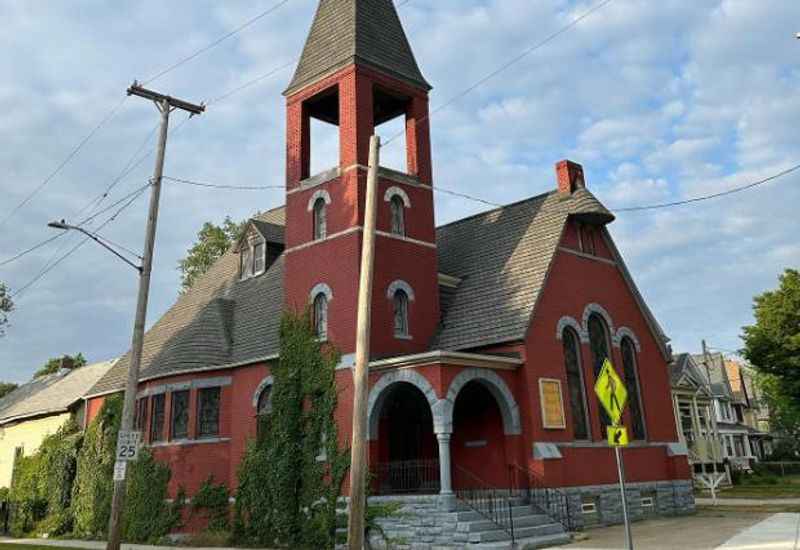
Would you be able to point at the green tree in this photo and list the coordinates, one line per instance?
(772, 345)
(52, 365)
(212, 242)
(6, 307)
(6, 388)
(291, 475)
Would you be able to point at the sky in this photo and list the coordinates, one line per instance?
(659, 101)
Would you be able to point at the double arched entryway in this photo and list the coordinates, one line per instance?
(420, 442)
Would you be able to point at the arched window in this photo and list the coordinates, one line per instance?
(321, 316)
(398, 215)
(598, 341)
(400, 301)
(320, 219)
(632, 385)
(264, 408)
(575, 386)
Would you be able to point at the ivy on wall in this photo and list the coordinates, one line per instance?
(211, 502)
(93, 488)
(291, 475)
(41, 488)
(149, 515)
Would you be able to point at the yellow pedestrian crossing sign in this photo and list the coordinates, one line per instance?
(612, 393)
(617, 436)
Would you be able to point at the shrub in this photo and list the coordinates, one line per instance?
(211, 502)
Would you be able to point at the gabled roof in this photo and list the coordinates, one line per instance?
(502, 258)
(715, 368)
(684, 370)
(219, 321)
(51, 394)
(367, 32)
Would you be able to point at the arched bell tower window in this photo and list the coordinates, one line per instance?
(575, 385)
(320, 217)
(321, 316)
(401, 314)
(398, 215)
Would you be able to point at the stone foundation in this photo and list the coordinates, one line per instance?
(600, 505)
(424, 521)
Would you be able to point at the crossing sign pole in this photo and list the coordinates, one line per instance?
(610, 389)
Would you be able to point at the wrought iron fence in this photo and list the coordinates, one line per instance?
(406, 477)
(528, 485)
(492, 503)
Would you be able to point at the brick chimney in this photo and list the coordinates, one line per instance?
(570, 176)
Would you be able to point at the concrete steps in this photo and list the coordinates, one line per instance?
(531, 529)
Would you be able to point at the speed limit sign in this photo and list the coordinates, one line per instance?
(128, 445)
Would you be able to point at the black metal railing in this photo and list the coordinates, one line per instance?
(406, 477)
(492, 503)
(527, 485)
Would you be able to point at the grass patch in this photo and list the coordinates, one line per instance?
(13, 546)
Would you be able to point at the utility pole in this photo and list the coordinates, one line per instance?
(358, 449)
(165, 105)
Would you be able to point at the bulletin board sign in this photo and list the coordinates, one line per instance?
(552, 402)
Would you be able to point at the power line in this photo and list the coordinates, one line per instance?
(133, 193)
(506, 65)
(215, 43)
(50, 265)
(220, 186)
(249, 83)
(712, 196)
(66, 161)
(31, 249)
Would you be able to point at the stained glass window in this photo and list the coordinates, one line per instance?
(400, 313)
(398, 215)
(632, 385)
(575, 386)
(598, 341)
(157, 418)
(180, 415)
(208, 412)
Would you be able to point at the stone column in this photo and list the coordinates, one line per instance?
(445, 475)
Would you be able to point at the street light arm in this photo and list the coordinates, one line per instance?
(66, 227)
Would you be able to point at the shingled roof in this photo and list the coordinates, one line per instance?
(51, 394)
(367, 32)
(220, 321)
(501, 258)
(720, 385)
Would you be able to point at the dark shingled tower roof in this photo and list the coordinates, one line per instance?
(366, 32)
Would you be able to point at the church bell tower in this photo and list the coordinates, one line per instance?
(356, 72)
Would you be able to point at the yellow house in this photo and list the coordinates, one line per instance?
(39, 408)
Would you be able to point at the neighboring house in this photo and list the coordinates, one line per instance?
(754, 412)
(487, 334)
(730, 407)
(695, 416)
(39, 408)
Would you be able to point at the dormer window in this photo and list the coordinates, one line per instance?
(252, 256)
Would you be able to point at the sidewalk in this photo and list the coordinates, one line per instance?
(734, 501)
(87, 544)
(777, 532)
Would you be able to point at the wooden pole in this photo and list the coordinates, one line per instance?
(358, 449)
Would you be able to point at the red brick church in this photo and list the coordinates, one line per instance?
(487, 333)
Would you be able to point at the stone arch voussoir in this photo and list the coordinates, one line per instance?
(509, 410)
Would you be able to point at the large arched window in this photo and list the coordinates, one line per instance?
(598, 341)
(321, 316)
(575, 386)
(632, 385)
(320, 219)
(397, 207)
(400, 301)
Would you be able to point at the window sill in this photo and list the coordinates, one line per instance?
(186, 442)
(403, 337)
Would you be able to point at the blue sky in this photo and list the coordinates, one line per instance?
(658, 100)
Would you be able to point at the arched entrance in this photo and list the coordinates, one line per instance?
(407, 450)
(478, 443)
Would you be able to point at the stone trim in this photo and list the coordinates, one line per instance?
(318, 179)
(329, 237)
(216, 382)
(396, 191)
(265, 383)
(512, 425)
(623, 332)
(400, 284)
(319, 194)
(567, 321)
(185, 442)
(587, 256)
(600, 310)
(403, 238)
(320, 288)
(377, 395)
